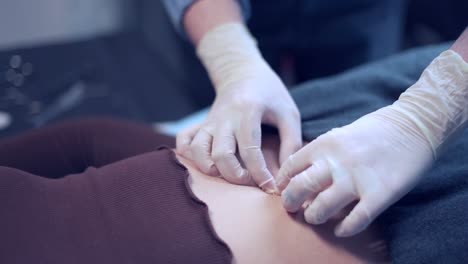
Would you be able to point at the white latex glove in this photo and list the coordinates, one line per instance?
(381, 156)
(248, 93)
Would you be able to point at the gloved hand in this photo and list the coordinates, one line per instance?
(381, 156)
(248, 93)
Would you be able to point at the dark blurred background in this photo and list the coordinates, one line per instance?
(62, 59)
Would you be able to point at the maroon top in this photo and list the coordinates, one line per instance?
(136, 210)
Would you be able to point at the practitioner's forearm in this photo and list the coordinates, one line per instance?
(461, 45)
(205, 15)
(437, 105)
(223, 43)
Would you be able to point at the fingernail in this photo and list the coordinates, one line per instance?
(281, 185)
(319, 218)
(282, 182)
(269, 186)
(271, 190)
(340, 232)
(213, 170)
(243, 174)
(313, 216)
(288, 203)
(285, 200)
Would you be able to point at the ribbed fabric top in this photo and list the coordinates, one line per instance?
(137, 210)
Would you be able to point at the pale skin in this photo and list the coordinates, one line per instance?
(257, 229)
(461, 45)
(205, 15)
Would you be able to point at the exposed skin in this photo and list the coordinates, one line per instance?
(461, 45)
(258, 229)
(205, 15)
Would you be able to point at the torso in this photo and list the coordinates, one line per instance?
(258, 229)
